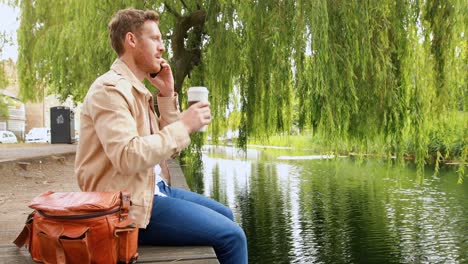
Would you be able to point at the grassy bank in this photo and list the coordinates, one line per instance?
(447, 142)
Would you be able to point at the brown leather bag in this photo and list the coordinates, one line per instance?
(81, 227)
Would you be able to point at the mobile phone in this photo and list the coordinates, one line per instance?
(154, 74)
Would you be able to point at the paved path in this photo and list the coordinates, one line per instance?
(8, 153)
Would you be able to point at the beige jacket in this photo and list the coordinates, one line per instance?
(116, 150)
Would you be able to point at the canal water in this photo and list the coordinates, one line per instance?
(299, 208)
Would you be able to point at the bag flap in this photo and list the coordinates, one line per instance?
(50, 230)
(74, 231)
(72, 203)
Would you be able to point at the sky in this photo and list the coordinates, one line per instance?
(9, 24)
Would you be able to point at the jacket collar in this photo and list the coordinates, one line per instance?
(122, 69)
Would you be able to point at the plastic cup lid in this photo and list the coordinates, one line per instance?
(198, 89)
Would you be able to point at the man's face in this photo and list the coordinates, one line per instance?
(149, 48)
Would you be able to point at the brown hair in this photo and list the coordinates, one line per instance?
(128, 20)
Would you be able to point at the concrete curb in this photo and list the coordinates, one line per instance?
(36, 159)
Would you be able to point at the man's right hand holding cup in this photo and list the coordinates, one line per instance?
(196, 117)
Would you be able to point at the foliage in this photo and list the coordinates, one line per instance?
(3, 107)
(3, 78)
(350, 71)
(448, 137)
(4, 39)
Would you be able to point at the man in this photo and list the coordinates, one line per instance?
(124, 145)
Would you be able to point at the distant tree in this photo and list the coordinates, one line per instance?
(349, 70)
(4, 39)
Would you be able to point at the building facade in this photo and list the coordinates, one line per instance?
(22, 117)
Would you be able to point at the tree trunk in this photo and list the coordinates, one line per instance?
(186, 45)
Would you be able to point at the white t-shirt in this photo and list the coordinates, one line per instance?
(157, 172)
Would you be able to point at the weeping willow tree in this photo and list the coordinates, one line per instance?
(353, 72)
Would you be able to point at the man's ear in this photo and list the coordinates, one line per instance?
(130, 39)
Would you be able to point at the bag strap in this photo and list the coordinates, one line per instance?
(60, 253)
(125, 205)
(126, 223)
(126, 201)
(25, 235)
(127, 232)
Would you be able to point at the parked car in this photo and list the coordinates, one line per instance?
(38, 135)
(7, 137)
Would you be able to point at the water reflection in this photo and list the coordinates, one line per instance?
(319, 211)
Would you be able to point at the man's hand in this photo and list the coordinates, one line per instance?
(164, 80)
(196, 116)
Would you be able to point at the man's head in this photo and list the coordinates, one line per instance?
(128, 20)
(136, 38)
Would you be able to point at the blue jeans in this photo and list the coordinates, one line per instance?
(185, 218)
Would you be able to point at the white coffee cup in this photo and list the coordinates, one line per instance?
(197, 94)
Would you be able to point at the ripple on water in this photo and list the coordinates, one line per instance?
(347, 213)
